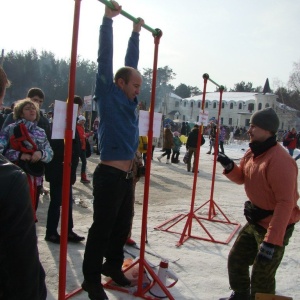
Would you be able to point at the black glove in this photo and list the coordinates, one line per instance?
(225, 161)
(266, 251)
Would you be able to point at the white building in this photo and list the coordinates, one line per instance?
(236, 108)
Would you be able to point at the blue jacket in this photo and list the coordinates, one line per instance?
(118, 131)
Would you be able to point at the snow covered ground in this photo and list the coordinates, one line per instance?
(202, 265)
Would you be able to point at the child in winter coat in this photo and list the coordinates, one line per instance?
(143, 147)
(222, 138)
(176, 148)
(83, 136)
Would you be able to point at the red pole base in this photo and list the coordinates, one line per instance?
(191, 216)
(140, 290)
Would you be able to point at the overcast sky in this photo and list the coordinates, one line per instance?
(231, 40)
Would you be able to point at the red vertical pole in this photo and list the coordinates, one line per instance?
(68, 157)
(148, 164)
(188, 224)
(216, 150)
(197, 154)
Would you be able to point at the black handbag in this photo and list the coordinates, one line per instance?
(36, 169)
(88, 151)
(186, 157)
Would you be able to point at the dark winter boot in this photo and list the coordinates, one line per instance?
(84, 179)
(238, 296)
(115, 274)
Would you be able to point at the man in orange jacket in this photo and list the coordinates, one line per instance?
(271, 211)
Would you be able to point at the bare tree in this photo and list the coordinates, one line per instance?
(294, 80)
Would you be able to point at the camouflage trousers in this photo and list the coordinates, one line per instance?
(243, 255)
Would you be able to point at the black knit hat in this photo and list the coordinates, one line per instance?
(266, 119)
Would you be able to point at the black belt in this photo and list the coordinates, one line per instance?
(115, 171)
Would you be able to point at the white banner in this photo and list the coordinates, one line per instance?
(88, 101)
(203, 118)
(60, 119)
(144, 123)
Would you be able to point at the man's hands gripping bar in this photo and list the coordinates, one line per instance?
(155, 32)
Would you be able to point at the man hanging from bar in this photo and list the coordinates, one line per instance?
(118, 141)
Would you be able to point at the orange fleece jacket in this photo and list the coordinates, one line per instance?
(270, 182)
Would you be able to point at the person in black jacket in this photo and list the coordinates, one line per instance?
(183, 130)
(21, 273)
(54, 175)
(191, 146)
(212, 136)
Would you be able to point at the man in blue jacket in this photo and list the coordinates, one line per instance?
(118, 141)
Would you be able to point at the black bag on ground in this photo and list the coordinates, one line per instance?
(254, 214)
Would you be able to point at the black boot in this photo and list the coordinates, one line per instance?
(115, 274)
(95, 291)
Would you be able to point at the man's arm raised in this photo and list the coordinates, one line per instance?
(132, 54)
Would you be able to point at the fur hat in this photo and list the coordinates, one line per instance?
(176, 133)
(81, 118)
(266, 119)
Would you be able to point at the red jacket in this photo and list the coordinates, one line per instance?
(292, 137)
(82, 136)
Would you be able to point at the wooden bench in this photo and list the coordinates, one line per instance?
(261, 296)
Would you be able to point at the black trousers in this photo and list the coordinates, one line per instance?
(54, 208)
(175, 155)
(168, 153)
(113, 209)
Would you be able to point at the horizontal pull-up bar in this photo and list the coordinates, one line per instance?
(206, 76)
(156, 32)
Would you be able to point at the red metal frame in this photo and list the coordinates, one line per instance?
(212, 213)
(67, 158)
(141, 291)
